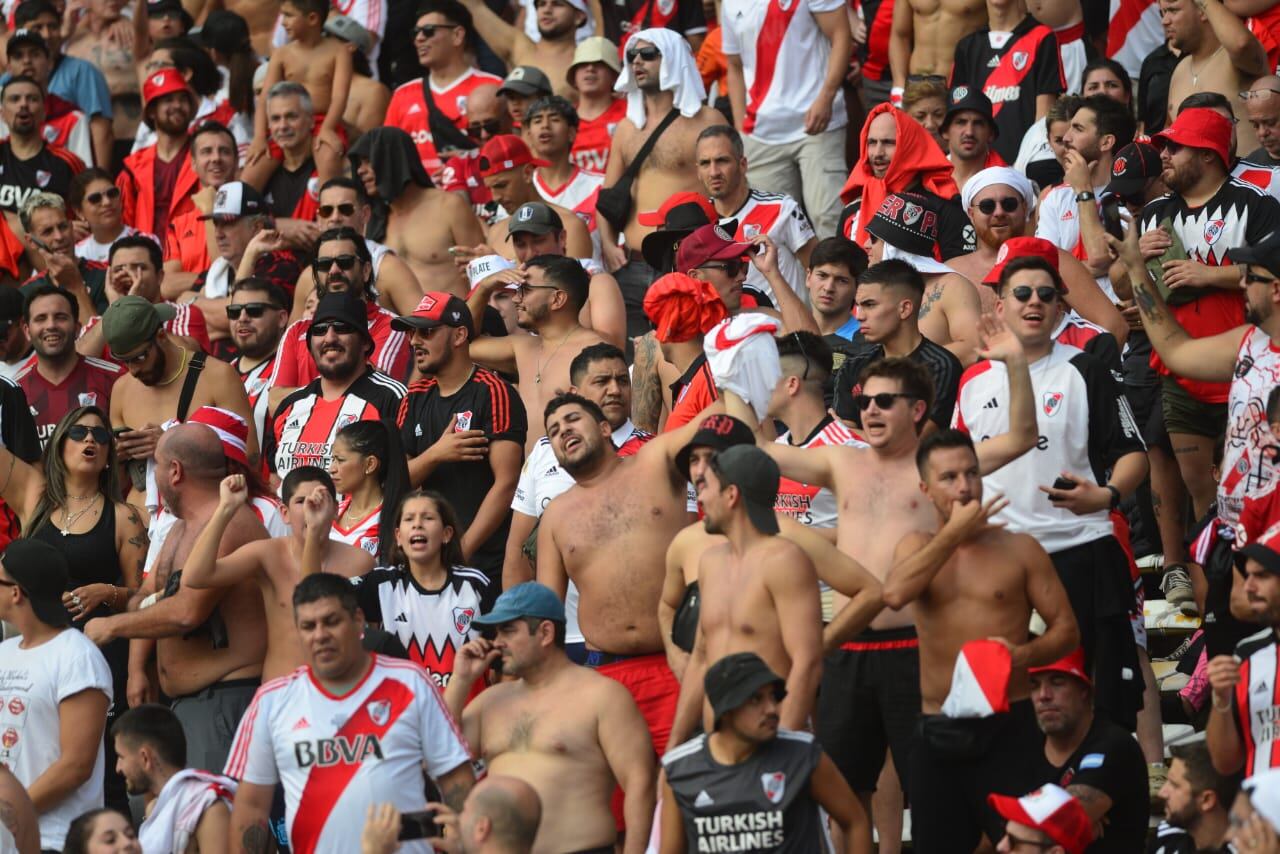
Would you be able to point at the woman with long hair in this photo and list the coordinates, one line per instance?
(369, 471)
(101, 831)
(225, 36)
(426, 580)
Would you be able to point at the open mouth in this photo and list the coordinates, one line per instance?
(419, 540)
(571, 443)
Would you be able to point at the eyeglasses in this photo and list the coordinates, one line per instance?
(322, 328)
(253, 309)
(110, 195)
(522, 290)
(1258, 94)
(346, 209)
(80, 432)
(883, 400)
(731, 268)
(1019, 842)
(139, 357)
(1255, 279)
(345, 263)
(1047, 293)
(1008, 204)
(803, 355)
(429, 30)
(648, 54)
(493, 127)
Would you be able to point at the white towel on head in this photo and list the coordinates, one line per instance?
(924, 266)
(678, 75)
(999, 175)
(743, 357)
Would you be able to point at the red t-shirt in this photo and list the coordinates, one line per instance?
(88, 384)
(595, 137)
(165, 181)
(408, 110)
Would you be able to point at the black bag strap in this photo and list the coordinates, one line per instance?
(189, 385)
(444, 133)
(633, 169)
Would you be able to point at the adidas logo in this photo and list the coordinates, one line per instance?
(301, 724)
(401, 618)
(417, 430)
(991, 404)
(993, 62)
(703, 799)
(1068, 215)
(1262, 688)
(413, 108)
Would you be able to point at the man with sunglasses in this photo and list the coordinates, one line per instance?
(487, 117)
(257, 313)
(1262, 106)
(444, 38)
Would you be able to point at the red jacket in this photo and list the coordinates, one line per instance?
(137, 181)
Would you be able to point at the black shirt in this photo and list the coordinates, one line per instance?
(955, 232)
(485, 402)
(1153, 89)
(285, 189)
(48, 172)
(1110, 760)
(943, 367)
(1026, 67)
(95, 282)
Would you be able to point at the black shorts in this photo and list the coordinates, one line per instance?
(868, 703)
(955, 764)
(1184, 414)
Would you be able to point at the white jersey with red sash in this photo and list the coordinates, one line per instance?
(1134, 32)
(363, 533)
(578, 194)
(338, 755)
(781, 218)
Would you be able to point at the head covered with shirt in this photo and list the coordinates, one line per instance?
(678, 75)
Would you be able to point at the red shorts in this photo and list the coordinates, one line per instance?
(653, 686)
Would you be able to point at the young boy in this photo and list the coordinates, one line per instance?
(318, 62)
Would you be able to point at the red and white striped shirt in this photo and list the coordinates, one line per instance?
(814, 506)
(1256, 701)
(363, 534)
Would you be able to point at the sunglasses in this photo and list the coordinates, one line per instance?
(1047, 293)
(139, 358)
(1008, 204)
(110, 195)
(1255, 279)
(344, 262)
(648, 54)
(253, 309)
(731, 268)
(322, 328)
(429, 30)
(346, 209)
(883, 400)
(80, 432)
(522, 290)
(493, 127)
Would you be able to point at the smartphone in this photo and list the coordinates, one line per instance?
(1111, 217)
(40, 244)
(1064, 483)
(120, 430)
(418, 825)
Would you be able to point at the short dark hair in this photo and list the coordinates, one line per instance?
(210, 126)
(453, 12)
(1203, 776)
(362, 197)
(274, 292)
(1206, 101)
(1112, 118)
(895, 273)
(937, 441)
(157, 727)
(138, 241)
(29, 10)
(21, 78)
(306, 7)
(532, 623)
(1110, 65)
(205, 78)
(306, 474)
(80, 184)
(811, 349)
(841, 252)
(81, 829)
(557, 104)
(602, 352)
(47, 289)
(326, 585)
(1028, 262)
(566, 274)
(1063, 109)
(911, 376)
(568, 398)
(728, 132)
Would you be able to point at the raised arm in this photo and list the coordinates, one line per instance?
(606, 311)
(901, 34)
(1243, 48)
(202, 568)
(497, 33)
(1001, 345)
(919, 557)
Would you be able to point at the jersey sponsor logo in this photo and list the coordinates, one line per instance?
(463, 421)
(462, 618)
(339, 750)
(1000, 94)
(1020, 58)
(1092, 760)
(752, 831)
(1213, 230)
(421, 137)
(775, 786)
(13, 197)
(1052, 403)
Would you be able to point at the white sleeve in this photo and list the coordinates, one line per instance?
(825, 5)
(83, 668)
(729, 44)
(443, 746)
(79, 142)
(524, 500)
(1050, 216)
(797, 230)
(252, 758)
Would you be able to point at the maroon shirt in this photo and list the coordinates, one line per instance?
(166, 180)
(88, 384)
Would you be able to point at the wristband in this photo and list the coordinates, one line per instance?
(895, 97)
(1115, 495)
(479, 269)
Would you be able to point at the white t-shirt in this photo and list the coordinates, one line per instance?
(337, 756)
(1059, 223)
(32, 684)
(784, 221)
(91, 250)
(784, 61)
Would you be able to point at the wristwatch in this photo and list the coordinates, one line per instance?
(1086, 196)
(1115, 495)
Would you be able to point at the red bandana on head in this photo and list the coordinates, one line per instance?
(916, 155)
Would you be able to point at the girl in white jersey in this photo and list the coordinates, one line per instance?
(369, 471)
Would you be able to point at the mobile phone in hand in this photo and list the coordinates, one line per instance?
(1064, 483)
(1111, 217)
(418, 825)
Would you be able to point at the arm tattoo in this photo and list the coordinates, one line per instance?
(646, 387)
(455, 794)
(256, 838)
(934, 294)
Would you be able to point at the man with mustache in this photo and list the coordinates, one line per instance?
(30, 165)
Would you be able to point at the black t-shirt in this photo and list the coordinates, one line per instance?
(485, 402)
(1172, 840)
(95, 282)
(955, 232)
(1110, 760)
(1260, 157)
(943, 367)
(47, 172)
(285, 189)
(1026, 67)
(1153, 88)
(18, 429)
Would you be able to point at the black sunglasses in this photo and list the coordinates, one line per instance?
(1047, 293)
(493, 127)
(110, 194)
(1255, 279)
(253, 309)
(429, 30)
(344, 262)
(731, 268)
(80, 432)
(803, 355)
(648, 54)
(883, 400)
(346, 209)
(1008, 204)
(322, 328)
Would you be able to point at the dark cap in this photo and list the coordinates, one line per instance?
(436, 309)
(1265, 550)
(736, 678)
(26, 37)
(345, 306)
(41, 572)
(166, 8)
(717, 432)
(756, 475)
(526, 80)
(969, 98)
(529, 599)
(132, 321)
(1265, 253)
(534, 218)
(906, 221)
(680, 215)
(709, 243)
(1133, 166)
(236, 199)
(11, 306)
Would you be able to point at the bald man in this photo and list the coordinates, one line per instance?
(1262, 106)
(500, 816)
(208, 644)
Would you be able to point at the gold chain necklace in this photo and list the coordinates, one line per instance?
(537, 380)
(182, 366)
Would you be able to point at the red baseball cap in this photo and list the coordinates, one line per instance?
(1022, 247)
(1199, 127)
(166, 81)
(658, 218)
(503, 152)
(1053, 811)
(1071, 664)
(708, 243)
(436, 309)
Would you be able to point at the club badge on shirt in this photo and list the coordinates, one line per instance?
(775, 786)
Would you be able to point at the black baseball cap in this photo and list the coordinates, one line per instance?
(1133, 166)
(1265, 253)
(169, 8)
(534, 218)
(734, 679)
(756, 475)
(970, 98)
(41, 573)
(680, 215)
(344, 306)
(717, 432)
(907, 221)
(526, 80)
(26, 37)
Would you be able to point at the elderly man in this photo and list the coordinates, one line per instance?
(1262, 106)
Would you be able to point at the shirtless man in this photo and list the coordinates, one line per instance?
(210, 663)
(572, 754)
(924, 36)
(103, 37)
(1219, 54)
(558, 21)
(1066, 19)
(549, 302)
(422, 222)
(276, 565)
(507, 166)
(670, 166)
(972, 581)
